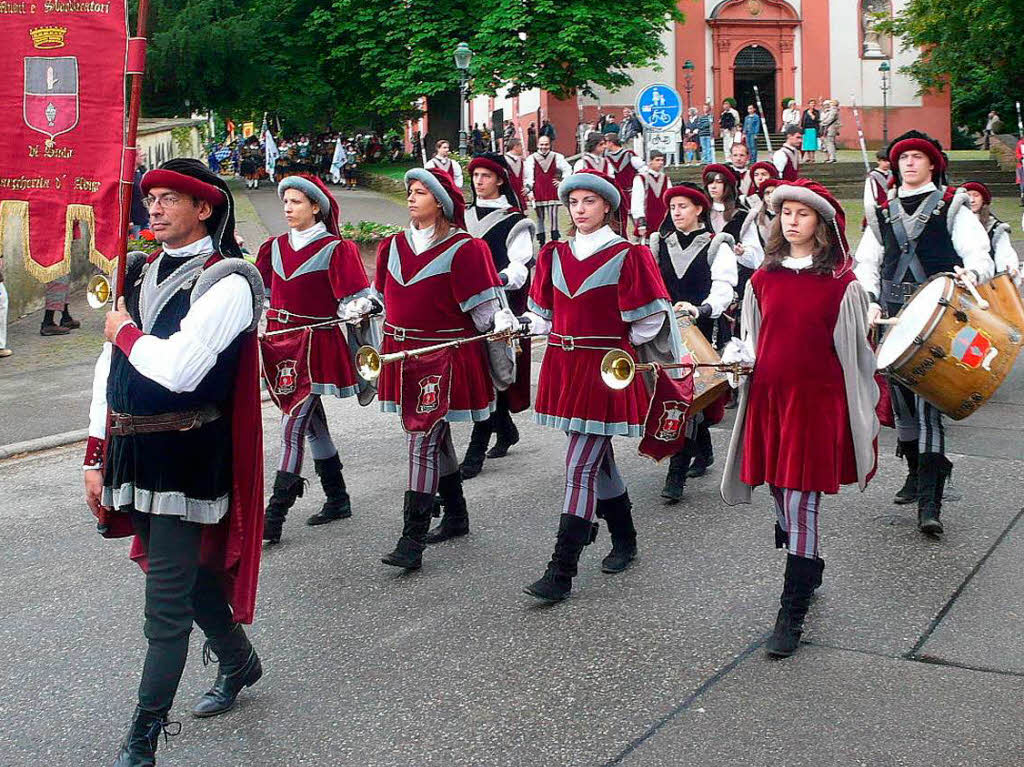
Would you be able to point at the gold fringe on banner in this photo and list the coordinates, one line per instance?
(11, 209)
(84, 214)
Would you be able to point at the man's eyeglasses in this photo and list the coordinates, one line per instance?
(167, 201)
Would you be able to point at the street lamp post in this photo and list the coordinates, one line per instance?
(884, 69)
(463, 58)
(688, 80)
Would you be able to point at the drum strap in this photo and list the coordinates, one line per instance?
(907, 236)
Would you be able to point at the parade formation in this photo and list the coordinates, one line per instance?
(709, 298)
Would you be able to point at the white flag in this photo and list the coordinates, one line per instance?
(272, 154)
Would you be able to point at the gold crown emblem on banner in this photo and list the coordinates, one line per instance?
(48, 37)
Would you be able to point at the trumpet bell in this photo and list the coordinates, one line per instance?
(617, 369)
(368, 363)
(98, 292)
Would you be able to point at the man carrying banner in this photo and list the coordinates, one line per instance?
(181, 464)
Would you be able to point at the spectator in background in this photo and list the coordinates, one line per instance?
(632, 131)
(751, 129)
(810, 121)
(4, 303)
(830, 127)
(547, 129)
(727, 127)
(690, 139)
(610, 126)
(531, 137)
(790, 115)
(705, 128)
(991, 126)
(140, 213)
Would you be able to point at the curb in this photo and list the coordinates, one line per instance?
(43, 443)
(61, 440)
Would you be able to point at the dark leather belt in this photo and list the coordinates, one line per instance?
(125, 425)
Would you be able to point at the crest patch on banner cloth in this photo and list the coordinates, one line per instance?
(286, 368)
(63, 155)
(665, 425)
(426, 384)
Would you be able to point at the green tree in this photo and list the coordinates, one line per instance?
(359, 62)
(974, 46)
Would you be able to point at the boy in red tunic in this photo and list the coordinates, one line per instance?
(813, 387)
(647, 206)
(437, 284)
(309, 272)
(542, 172)
(594, 293)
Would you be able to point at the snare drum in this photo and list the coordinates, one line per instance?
(947, 350)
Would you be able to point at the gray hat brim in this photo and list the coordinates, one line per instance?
(308, 188)
(821, 206)
(428, 180)
(591, 183)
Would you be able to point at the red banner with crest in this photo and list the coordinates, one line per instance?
(285, 359)
(62, 92)
(426, 390)
(665, 426)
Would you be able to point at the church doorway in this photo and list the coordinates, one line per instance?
(755, 65)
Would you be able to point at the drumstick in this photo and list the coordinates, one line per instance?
(887, 321)
(982, 303)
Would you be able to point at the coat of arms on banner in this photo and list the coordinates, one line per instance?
(51, 95)
(286, 377)
(430, 394)
(672, 420)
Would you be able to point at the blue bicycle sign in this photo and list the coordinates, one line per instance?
(658, 106)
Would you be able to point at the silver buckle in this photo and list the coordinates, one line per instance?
(399, 334)
(568, 343)
(283, 316)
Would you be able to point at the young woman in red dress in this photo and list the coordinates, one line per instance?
(437, 284)
(593, 293)
(309, 273)
(806, 421)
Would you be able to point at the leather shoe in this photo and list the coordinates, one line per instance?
(221, 697)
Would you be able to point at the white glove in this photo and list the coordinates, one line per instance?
(874, 314)
(967, 276)
(355, 308)
(538, 325)
(504, 319)
(687, 308)
(737, 351)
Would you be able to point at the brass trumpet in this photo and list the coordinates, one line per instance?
(99, 291)
(618, 368)
(370, 362)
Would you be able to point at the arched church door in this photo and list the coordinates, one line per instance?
(755, 65)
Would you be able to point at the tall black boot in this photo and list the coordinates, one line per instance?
(238, 667)
(504, 427)
(287, 487)
(473, 461)
(617, 512)
(555, 236)
(138, 749)
(541, 238)
(455, 521)
(408, 551)
(556, 584)
(675, 481)
(908, 493)
(338, 505)
(802, 577)
(933, 470)
(704, 453)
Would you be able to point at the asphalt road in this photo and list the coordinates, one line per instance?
(913, 653)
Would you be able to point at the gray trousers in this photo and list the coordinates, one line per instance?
(917, 420)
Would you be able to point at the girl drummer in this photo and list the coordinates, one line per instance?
(594, 293)
(699, 270)
(309, 271)
(1001, 250)
(437, 284)
(813, 386)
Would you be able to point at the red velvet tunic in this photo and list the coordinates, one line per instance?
(622, 163)
(429, 296)
(591, 303)
(545, 169)
(515, 173)
(797, 433)
(654, 204)
(312, 282)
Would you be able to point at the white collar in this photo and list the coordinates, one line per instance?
(421, 238)
(719, 206)
(588, 244)
(929, 187)
(200, 247)
(497, 202)
(300, 239)
(796, 264)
